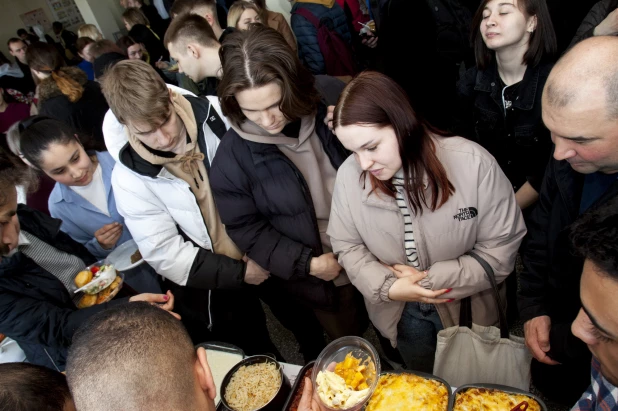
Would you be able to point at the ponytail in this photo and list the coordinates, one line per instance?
(68, 86)
(45, 58)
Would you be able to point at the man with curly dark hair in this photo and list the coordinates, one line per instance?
(595, 237)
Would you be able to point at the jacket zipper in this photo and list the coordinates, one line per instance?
(50, 359)
(210, 325)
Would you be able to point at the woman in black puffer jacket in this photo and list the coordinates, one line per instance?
(65, 93)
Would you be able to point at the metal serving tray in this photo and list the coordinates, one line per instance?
(497, 387)
(426, 376)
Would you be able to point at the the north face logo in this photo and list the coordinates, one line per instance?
(466, 213)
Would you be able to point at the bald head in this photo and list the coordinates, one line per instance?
(586, 75)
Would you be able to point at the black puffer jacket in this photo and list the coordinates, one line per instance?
(265, 204)
(36, 309)
(516, 137)
(551, 275)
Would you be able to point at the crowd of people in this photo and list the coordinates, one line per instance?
(310, 167)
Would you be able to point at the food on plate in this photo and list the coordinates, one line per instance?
(348, 384)
(221, 363)
(115, 283)
(102, 277)
(396, 392)
(104, 295)
(253, 386)
(135, 257)
(491, 400)
(299, 391)
(83, 278)
(87, 301)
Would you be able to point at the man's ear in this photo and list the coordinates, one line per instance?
(208, 18)
(193, 50)
(204, 374)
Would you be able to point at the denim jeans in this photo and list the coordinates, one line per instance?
(417, 334)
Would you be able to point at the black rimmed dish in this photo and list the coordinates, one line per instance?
(276, 403)
(427, 377)
(297, 384)
(504, 388)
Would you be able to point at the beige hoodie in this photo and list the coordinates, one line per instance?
(307, 154)
(190, 168)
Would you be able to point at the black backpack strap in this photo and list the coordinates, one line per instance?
(215, 122)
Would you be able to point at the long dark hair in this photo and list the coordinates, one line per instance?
(257, 57)
(37, 133)
(374, 99)
(543, 43)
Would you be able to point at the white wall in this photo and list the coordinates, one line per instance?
(105, 14)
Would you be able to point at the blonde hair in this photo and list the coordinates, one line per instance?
(134, 16)
(237, 9)
(89, 30)
(136, 93)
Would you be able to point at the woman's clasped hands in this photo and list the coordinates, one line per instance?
(407, 288)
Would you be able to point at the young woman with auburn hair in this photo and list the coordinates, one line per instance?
(273, 178)
(407, 207)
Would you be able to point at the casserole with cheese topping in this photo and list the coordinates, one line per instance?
(473, 399)
(398, 392)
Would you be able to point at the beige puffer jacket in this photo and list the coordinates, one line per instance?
(482, 216)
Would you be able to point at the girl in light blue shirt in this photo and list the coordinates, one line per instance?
(83, 197)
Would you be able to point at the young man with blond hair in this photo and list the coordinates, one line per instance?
(163, 143)
(207, 9)
(192, 43)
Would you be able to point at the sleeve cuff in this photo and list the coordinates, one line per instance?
(385, 288)
(304, 263)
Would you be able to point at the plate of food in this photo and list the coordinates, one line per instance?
(345, 374)
(126, 256)
(492, 397)
(95, 278)
(256, 383)
(100, 282)
(410, 390)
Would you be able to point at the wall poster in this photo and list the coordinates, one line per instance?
(66, 12)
